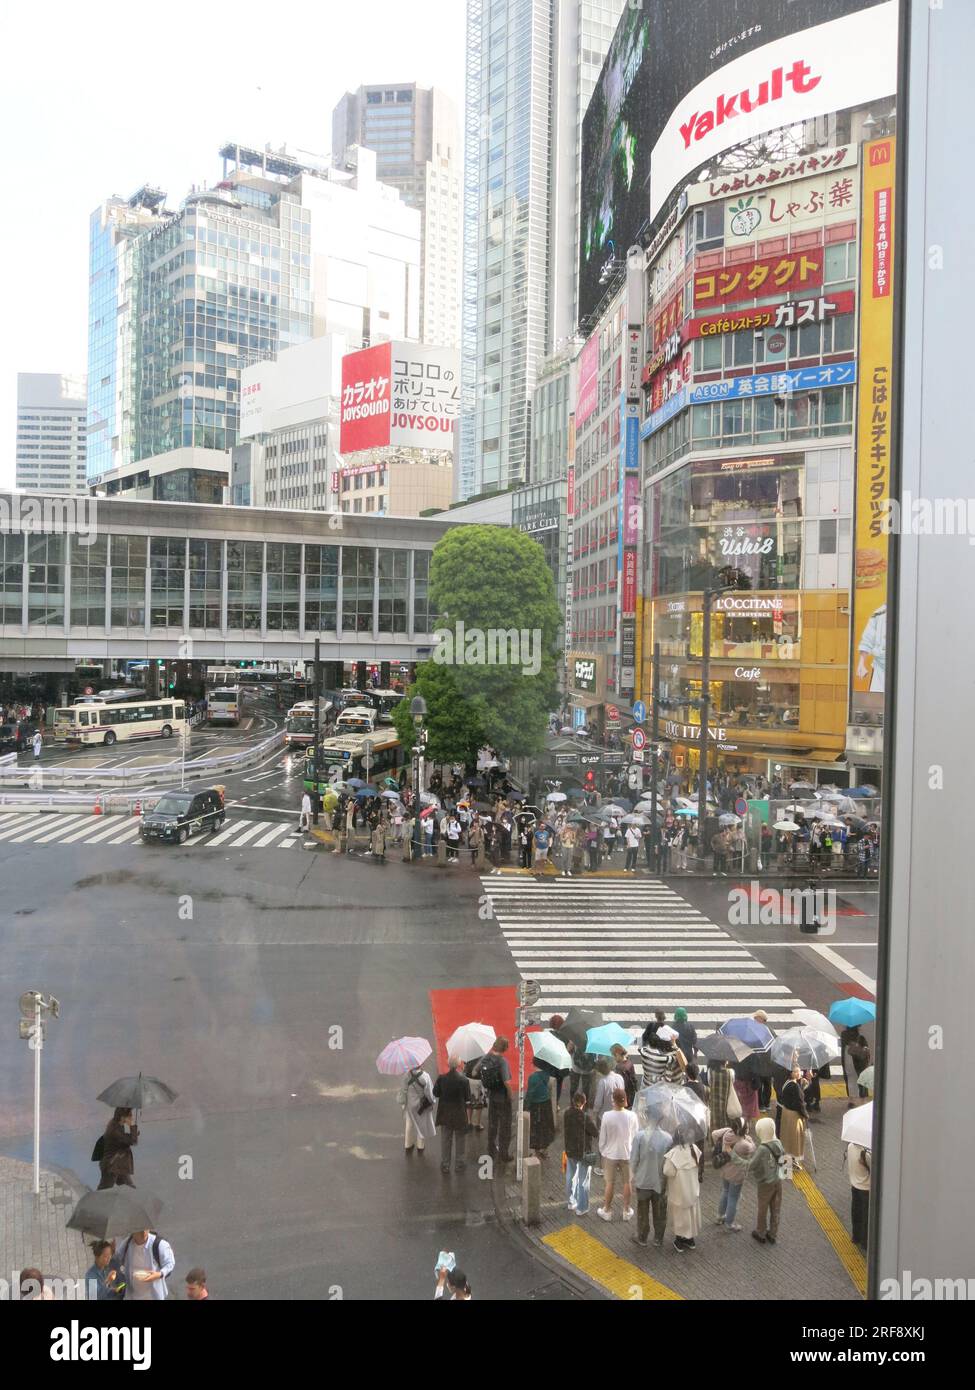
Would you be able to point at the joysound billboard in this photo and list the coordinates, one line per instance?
(684, 81)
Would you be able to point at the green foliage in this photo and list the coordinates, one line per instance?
(495, 580)
(453, 729)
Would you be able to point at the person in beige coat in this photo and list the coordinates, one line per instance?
(681, 1168)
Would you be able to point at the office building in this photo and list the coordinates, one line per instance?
(277, 253)
(51, 422)
(531, 68)
(414, 134)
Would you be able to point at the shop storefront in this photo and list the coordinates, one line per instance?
(587, 689)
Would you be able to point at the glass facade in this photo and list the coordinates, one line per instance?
(177, 305)
(267, 588)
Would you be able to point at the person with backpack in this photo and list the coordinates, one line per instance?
(733, 1139)
(416, 1098)
(769, 1167)
(495, 1075)
(113, 1151)
(145, 1261)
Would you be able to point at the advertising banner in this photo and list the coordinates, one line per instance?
(789, 314)
(684, 82)
(401, 394)
(629, 583)
(251, 408)
(631, 509)
(791, 271)
(588, 390)
(773, 383)
(874, 417)
(631, 442)
(746, 181)
(366, 396)
(799, 207)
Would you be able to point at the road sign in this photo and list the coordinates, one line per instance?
(638, 756)
(531, 992)
(612, 714)
(639, 740)
(639, 712)
(741, 807)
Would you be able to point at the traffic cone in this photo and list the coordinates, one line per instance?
(137, 810)
(97, 808)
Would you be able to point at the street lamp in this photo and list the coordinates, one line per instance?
(33, 1005)
(418, 711)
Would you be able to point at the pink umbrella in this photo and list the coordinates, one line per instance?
(402, 1054)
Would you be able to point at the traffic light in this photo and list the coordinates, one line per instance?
(590, 780)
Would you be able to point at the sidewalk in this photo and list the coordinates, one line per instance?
(32, 1229)
(813, 1259)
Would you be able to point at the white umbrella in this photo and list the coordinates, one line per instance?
(613, 809)
(815, 1020)
(785, 825)
(635, 818)
(831, 820)
(556, 796)
(807, 1048)
(428, 799)
(858, 1125)
(470, 1040)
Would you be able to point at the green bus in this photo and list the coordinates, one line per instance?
(353, 755)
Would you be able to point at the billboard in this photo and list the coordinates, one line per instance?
(399, 394)
(682, 83)
(587, 395)
(874, 418)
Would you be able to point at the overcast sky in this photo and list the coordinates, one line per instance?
(101, 98)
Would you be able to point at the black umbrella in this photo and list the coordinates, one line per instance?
(484, 807)
(577, 1024)
(115, 1211)
(577, 819)
(136, 1092)
(757, 1065)
(529, 810)
(718, 1047)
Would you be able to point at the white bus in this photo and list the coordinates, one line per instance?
(356, 719)
(111, 721)
(225, 705)
(222, 675)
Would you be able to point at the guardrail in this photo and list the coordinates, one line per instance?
(36, 777)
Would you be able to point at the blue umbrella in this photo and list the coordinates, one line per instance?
(603, 1039)
(748, 1030)
(365, 792)
(851, 1012)
(354, 782)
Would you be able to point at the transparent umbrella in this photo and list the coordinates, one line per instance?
(674, 1108)
(807, 1048)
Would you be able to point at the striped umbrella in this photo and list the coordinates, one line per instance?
(400, 1055)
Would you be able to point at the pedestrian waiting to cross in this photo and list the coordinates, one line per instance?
(453, 1093)
(117, 1163)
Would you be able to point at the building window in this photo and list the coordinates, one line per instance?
(245, 565)
(167, 565)
(128, 560)
(358, 585)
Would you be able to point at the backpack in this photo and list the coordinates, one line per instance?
(781, 1164)
(490, 1073)
(98, 1152)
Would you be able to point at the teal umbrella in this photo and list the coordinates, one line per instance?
(603, 1039)
(546, 1047)
(851, 1012)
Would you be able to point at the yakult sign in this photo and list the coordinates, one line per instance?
(828, 67)
(400, 394)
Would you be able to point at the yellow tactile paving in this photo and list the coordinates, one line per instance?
(627, 1281)
(833, 1090)
(832, 1227)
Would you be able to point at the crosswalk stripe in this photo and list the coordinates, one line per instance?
(223, 835)
(271, 835)
(24, 835)
(286, 844)
(92, 824)
(130, 833)
(69, 823)
(629, 949)
(105, 832)
(19, 823)
(248, 834)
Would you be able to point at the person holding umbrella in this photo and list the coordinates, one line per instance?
(415, 1096)
(117, 1163)
(538, 1103)
(646, 1164)
(792, 1116)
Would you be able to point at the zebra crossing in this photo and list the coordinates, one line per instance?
(628, 948)
(32, 828)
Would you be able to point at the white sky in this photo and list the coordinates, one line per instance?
(100, 98)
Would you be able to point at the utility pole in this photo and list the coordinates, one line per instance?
(529, 992)
(33, 1006)
(315, 800)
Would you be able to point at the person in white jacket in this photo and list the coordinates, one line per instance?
(682, 1171)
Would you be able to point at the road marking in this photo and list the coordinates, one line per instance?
(627, 1281)
(849, 970)
(286, 844)
(271, 835)
(131, 833)
(835, 1232)
(223, 835)
(105, 834)
(68, 823)
(35, 830)
(249, 833)
(19, 822)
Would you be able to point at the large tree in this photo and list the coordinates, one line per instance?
(453, 730)
(499, 617)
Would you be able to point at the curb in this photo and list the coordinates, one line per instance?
(513, 1227)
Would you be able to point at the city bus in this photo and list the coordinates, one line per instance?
(225, 705)
(109, 722)
(299, 725)
(351, 755)
(356, 719)
(384, 702)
